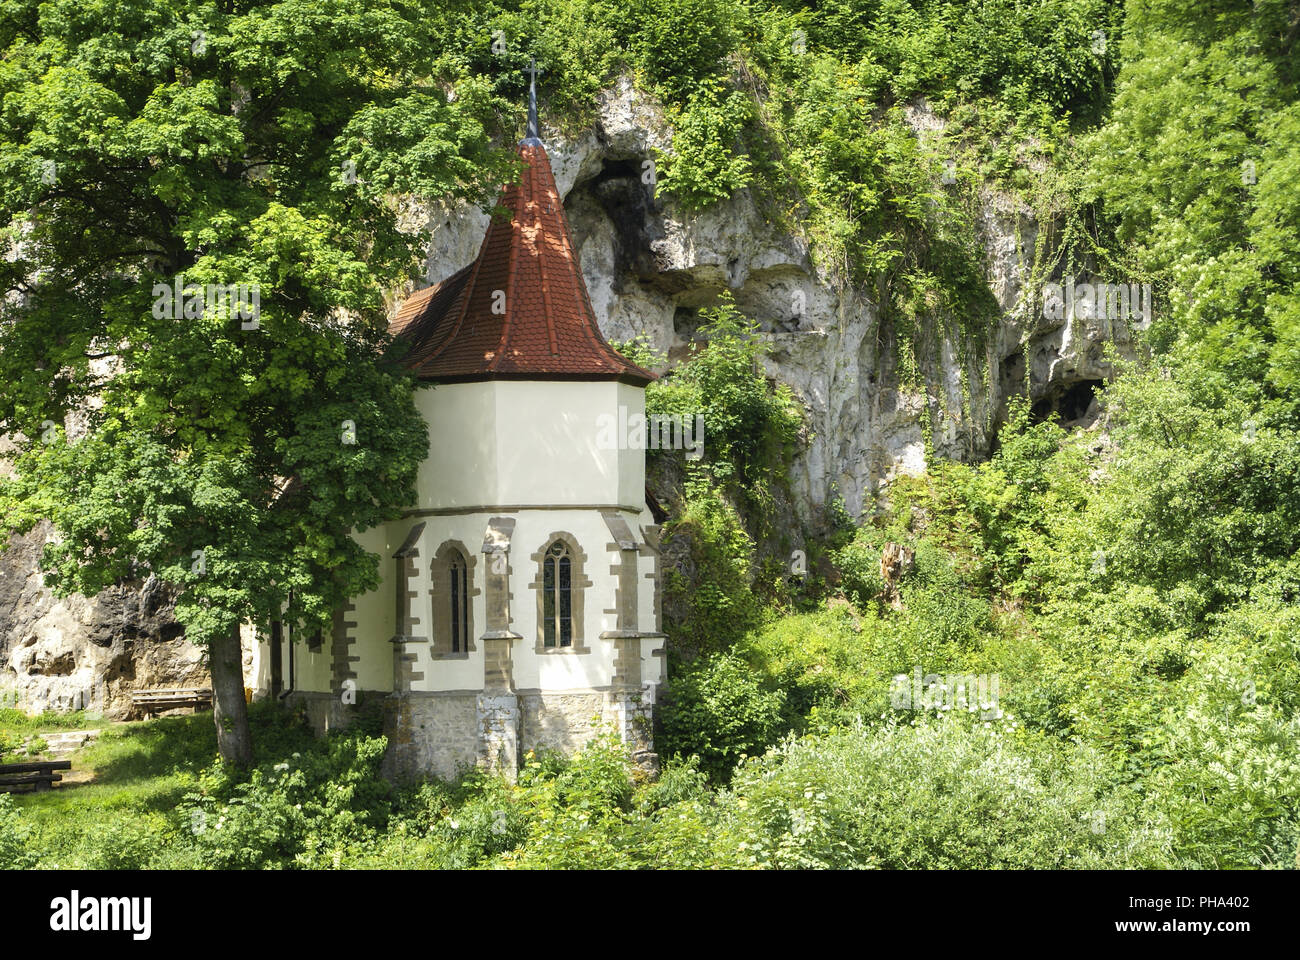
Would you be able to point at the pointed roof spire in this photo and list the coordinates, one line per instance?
(521, 310)
(533, 136)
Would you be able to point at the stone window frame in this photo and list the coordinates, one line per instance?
(440, 599)
(578, 584)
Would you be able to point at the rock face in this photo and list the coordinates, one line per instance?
(74, 653)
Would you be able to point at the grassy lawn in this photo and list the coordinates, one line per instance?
(129, 779)
(20, 724)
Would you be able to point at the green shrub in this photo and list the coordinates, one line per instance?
(858, 563)
(716, 594)
(16, 851)
(750, 423)
(125, 843)
(681, 780)
(1228, 772)
(717, 709)
(940, 794)
(401, 849)
(578, 816)
(465, 824)
(707, 164)
(712, 598)
(598, 778)
(831, 660)
(306, 810)
(680, 42)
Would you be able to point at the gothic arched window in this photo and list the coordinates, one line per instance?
(561, 584)
(458, 595)
(451, 583)
(557, 596)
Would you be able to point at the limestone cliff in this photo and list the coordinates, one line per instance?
(78, 653)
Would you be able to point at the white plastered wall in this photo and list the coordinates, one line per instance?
(528, 443)
(503, 447)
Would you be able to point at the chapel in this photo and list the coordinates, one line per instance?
(519, 608)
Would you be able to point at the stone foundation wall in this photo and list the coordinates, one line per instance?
(431, 734)
(559, 721)
(442, 734)
(632, 714)
(498, 732)
(325, 711)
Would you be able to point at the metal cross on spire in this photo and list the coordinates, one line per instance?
(533, 135)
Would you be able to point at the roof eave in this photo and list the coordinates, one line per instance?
(634, 379)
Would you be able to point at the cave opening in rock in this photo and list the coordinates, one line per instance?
(1077, 400)
(1013, 369)
(628, 202)
(686, 322)
(1069, 404)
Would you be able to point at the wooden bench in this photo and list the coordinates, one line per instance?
(39, 775)
(151, 701)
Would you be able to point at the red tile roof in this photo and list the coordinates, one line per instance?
(521, 310)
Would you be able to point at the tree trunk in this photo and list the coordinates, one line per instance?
(229, 709)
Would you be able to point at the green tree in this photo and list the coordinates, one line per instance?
(1195, 171)
(229, 453)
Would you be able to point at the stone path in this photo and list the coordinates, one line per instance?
(68, 741)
